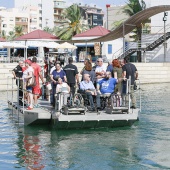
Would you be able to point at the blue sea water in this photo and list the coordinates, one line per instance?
(145, 145)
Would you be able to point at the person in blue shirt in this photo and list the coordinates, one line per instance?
(57, 73)
(88, 87)
(107, 85)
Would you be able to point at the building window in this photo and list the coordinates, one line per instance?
(4, 25)
(99, 16)
(94, 16)
(109, 48)
(99, 11)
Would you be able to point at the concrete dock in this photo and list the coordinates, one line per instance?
(148, 73)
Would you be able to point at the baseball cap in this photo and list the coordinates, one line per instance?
(28, 61)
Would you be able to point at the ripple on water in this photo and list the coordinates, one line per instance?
(145, 145)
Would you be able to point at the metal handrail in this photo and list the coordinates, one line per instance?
(142, 45)
(17, 92)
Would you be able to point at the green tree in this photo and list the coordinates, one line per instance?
(11, 36)
(74, 23)
(133, 7)
(19, 30)
(117, 23)
(3, 34)
(48, 29)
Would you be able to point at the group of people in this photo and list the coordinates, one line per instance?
(63, 79)
(22, 73)
(96, 80)
(106, 80)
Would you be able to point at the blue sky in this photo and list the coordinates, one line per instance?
(7, 3)
(98, 3)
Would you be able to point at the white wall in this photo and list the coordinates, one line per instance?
(47, 13)
(9, 18)
(116, 48)
(47, 10)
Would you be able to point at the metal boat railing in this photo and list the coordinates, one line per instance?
(128, 92)
(13, 94)
(14, 98)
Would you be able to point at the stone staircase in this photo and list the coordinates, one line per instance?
(153, 72)
(149, 47)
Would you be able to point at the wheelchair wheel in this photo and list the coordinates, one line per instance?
(103, 103)
(115, 100)
(78, 100)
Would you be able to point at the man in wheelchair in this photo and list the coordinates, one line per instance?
(105, 88)
(107, 84)
(87, 87)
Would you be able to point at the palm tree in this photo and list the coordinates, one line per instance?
(3, 34)
(117, 23)
(11, 36)
(48, 29)
(18, 30)
(133, 7)
(74, 23)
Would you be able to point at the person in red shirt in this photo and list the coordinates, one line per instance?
(36, 90)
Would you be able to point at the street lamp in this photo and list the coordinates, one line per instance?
(165, 44)
(107, 6)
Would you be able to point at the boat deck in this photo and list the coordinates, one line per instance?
(77, 117)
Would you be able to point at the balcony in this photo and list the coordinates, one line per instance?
(95, 12)
(21, 23)
(59, 6)
(57, 13)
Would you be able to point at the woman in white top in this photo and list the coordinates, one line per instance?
(63, 88)
(28, 73)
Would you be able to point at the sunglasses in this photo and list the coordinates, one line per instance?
(99, 61)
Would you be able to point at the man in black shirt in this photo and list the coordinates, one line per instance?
(17, 73)
(130, 70)
(71, 74)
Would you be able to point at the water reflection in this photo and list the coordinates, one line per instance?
(145, 145)
(29, 150)
(32, 156)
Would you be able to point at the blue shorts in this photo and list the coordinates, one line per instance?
(29, 89)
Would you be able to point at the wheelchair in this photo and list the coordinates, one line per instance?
(67, 103)
(79, 103)
(106, 100)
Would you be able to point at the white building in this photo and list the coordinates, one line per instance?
(33, 17)
(46, 13)
(9, 18)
